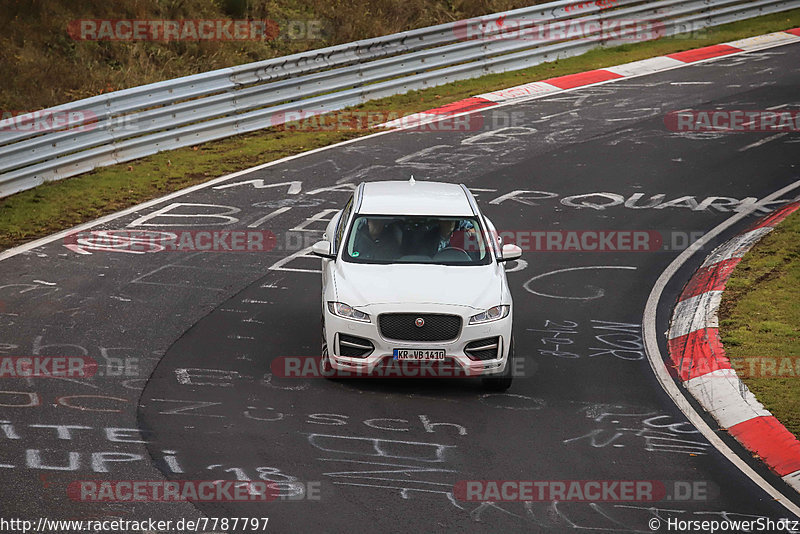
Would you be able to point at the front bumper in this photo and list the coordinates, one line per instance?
(384, 348)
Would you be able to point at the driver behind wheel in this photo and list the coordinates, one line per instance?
(450, 233)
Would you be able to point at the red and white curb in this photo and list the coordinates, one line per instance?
(699, 360)
(564, 83)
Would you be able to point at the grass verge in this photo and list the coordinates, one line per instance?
(59, 205)
(760, 321)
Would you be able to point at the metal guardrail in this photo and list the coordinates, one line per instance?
(132, 123)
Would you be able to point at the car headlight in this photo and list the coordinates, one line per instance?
(348, 312)
(492, 314)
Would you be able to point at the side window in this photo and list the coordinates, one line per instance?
(342, 223)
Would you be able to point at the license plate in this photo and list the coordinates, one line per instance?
(419, 354)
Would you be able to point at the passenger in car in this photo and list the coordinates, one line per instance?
(377, 239)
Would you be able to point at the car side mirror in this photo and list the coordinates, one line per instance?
(322, 249)
(511, 252)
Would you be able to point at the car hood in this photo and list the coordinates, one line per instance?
(479, 287)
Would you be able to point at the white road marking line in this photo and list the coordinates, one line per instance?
(763, 141)
(598, 293)
(269, 216)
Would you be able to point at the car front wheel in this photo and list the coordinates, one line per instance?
(325, 366)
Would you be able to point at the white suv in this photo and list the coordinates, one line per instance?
(412, 272)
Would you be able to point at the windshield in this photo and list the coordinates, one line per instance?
(416, 239)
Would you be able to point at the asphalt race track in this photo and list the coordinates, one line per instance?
(185, 340)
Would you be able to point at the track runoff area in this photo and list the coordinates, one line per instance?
(178, 411)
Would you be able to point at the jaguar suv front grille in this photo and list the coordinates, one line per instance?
(419, 326)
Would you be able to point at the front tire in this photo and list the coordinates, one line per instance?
(325, 366)
(502, 381)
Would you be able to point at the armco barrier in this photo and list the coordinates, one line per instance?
(129, 124)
